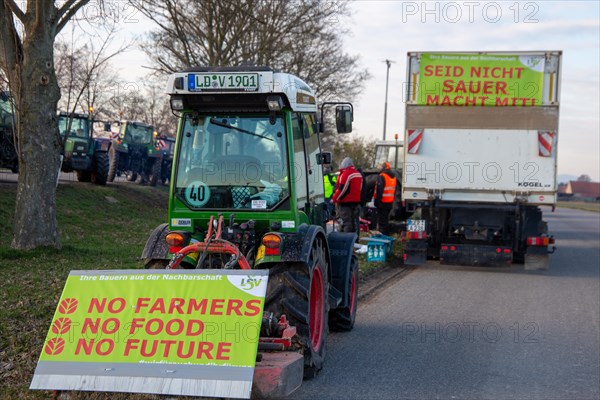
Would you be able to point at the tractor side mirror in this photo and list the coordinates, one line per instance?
(324, 158)
(343, 119)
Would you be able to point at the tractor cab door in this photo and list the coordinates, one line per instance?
(310, 193)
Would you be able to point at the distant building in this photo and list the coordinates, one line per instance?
(583, 190)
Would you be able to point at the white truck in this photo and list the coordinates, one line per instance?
(481, 133)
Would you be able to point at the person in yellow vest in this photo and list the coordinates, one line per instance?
(329, 180)
(384, 196)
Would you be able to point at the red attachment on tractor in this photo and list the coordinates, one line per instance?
(283, 340)
(211, 245)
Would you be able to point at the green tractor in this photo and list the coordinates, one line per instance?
(247, 193)
(8, 153)
(82, 152)
(135, 153)
(167, 147)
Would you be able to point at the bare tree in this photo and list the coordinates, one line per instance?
(360, 150)
(301, 37)
(27, 58)
(584, 178)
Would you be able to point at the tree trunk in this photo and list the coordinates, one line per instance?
(35, 222)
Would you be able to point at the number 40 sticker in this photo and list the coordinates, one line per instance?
(197, 194)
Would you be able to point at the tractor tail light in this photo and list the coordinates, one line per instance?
(271, 241)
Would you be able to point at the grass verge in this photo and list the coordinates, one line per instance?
(100, 228)
(580, 205)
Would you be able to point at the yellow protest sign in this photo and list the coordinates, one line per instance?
(141, 331)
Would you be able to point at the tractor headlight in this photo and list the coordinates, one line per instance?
(177, 103)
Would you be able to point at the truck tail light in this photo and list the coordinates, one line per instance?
(416, 235)
(539, 241)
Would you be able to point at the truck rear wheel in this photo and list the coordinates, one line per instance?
(101, 167)
(114, 164)
(342, 319)
(301, 292)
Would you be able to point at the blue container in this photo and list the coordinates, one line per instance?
(376, 251)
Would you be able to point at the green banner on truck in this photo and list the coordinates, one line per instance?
(481, 80)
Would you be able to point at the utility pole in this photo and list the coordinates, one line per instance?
(387, 78)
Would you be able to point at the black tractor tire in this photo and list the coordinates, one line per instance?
(84, 176)
(114, 164)
(101, 167)
(301, 292)
(155, 172)
(132, 176)
(342, 319)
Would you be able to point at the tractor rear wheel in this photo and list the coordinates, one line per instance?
(342, 319)
(114, 164)
(301, 292)
(101, 167)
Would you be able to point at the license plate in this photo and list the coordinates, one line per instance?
(223, 82)
(416, 225)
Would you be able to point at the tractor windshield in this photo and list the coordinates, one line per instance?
(232, 161)
(74, 126)
(139, 133)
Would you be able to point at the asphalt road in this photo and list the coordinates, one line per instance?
(474, 333)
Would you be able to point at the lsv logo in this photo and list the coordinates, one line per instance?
(250, 283)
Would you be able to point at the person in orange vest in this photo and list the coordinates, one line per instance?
(384, 196)
(347, 195)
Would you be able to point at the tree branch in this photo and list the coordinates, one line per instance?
(15, 9)
(67, 11)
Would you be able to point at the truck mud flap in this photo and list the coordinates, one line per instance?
(536, 258)
(415, 252)
(475, 255)
(277, 375)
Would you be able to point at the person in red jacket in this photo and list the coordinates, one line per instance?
(347, 195)
(384, 196)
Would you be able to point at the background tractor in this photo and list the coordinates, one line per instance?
(82, 152)
(247, 193)
(135, 153)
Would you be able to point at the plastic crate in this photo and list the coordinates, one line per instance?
(376, 252)
(379, 247)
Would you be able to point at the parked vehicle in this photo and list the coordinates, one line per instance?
(167, 147)
(82, 152)
(134, 153)
(480, 156)
(247, 193)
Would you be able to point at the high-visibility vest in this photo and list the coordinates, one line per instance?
(389, 189)
(329, 184)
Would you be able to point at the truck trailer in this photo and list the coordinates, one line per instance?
(480, 155)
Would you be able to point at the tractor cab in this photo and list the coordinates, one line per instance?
(248, 144)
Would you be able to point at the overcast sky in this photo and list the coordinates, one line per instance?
(389, 29)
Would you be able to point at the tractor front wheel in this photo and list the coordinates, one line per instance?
(300, 291)
(101, 166)
(155, 172)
